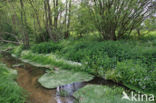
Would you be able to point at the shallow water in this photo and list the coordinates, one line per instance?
(28, 76)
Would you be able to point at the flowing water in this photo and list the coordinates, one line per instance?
(28, 76)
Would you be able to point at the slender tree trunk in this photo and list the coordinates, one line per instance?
(138, 31)
(113, 36)
(68, 12)
(23, 21)
(65, 20)
(49, 20)
(48, 23)
(56, 13)
(69, 16)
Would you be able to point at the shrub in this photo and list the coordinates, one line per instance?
(46, 47)
(117, 50)
(17, 50)
(75, 51)
(136, 74)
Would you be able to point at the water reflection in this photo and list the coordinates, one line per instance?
(64, 93)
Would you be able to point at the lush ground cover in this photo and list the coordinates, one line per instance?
(104, 94)
(46, 60)
(4, 47)
(63, 77)
(131, 62)
(10, 92)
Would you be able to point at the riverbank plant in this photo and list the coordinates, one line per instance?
(10, 92)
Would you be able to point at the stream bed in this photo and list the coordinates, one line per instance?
(28, 79)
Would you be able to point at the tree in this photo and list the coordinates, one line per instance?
(67, 18)
(82, 21)
(116, 18)
(23, 26)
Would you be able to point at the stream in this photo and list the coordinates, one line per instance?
(29, 74)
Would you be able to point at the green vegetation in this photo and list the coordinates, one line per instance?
(48, 60)
(129, 62)
(60, 77)
(46, 47)
(110, 39)
(102, 94)
(10, 92)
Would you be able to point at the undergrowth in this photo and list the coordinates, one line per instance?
(10, 92)
(128, 61)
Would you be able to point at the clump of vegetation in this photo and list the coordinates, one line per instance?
(102, 94)
(46, 47)
(17, 50)
(134, 75)
(48, 60)
(10, 92)
(63, 93)
(60, 78)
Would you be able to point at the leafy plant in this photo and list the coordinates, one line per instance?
(10, 92)
(101, 94)
(61, 77)
(136, 74)
(46, 47)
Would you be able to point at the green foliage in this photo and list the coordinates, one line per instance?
(131, 62)
(17, 50)
(82, 21)
(113, 20)
(137, 75)
(10, 92)
(74, 51)
(61, 77)
(112, 51)
(46, 47)
(63, 93)
(48, 60)
(103, 58)
(6, 46)
(101, 94)
(107, 59)
(150, 23)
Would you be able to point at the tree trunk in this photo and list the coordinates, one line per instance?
(67, 33)
(56, 13)
(113, 36)
(23, 21)
(138, 31)
(49, 20)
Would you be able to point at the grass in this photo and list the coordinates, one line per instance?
(48, 60)
(10, 92)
